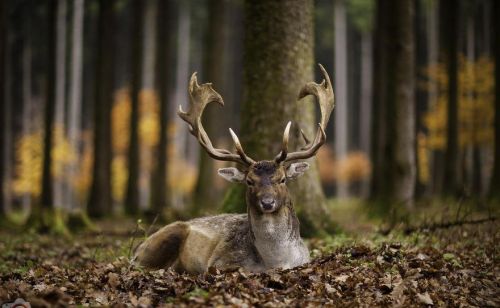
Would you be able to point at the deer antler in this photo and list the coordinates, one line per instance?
(325, 97)
(199, 98)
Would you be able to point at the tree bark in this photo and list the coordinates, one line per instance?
(450, 179)
(204, 195)
(132, 198)
(75, 96)
(404, 165)
(378, 182)
(495, 178)
(100, 200)
(340, 80)
(394, 103)
(60, 99)
(278, 62)
(160, 191)
(44, 217)
(3, 43)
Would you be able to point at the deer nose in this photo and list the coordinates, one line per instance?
(267, 204)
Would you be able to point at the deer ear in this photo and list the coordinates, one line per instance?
(296, 169)
(232, 174)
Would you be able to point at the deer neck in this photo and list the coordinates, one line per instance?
(276, 236)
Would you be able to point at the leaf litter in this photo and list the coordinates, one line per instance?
(449, 268)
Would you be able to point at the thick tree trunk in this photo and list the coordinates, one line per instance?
(340, 79)
(495, 178)
(100, 201)
(204, 196)
(132, 198)
(394, 117)
(404, 166)
(278, 62)
(450, 179)
(160, 191)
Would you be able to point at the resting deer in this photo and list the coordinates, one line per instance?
(268, 235)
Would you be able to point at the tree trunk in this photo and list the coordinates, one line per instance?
(181, 84)
(404, 166)
(160, 191)
(204, 196)
(378, 180)
(75, 99)
(495, 178)
(43, 216)
(340, 80)
(366, 99)
(394, 118)
(132, 198)
(450, 179)
(100, 201)
(3, 43)
(278, 62)
(59, 189)
(432, 60)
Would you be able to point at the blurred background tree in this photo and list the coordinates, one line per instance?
(88, 121)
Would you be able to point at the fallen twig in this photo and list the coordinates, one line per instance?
(445, 225)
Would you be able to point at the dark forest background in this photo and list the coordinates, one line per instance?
(89, 92)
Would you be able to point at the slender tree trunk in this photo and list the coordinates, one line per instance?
(132, 198)
(432, 56)
(47, 198)
(379, 138)
(495, 178)
(160, 190)
(181, 84)
(27, 97)
(278, 62)
(100, 201)
(59, 189)
(3, 43)
(450, 179)
(75, 99)
(340, 80)
(204, 197)
(404, 165)
(43, 216)
(366, 99)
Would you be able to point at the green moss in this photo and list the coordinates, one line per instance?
(234, 200)
(79, 221)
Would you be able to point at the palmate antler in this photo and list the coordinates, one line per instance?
(325, 97)
(199, 98)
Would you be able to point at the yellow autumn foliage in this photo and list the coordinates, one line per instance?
(29, 158)
(475, 103)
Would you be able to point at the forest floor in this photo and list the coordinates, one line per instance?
(452, 267)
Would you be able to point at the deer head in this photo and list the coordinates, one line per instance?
(266, 180)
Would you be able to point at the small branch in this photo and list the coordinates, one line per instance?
(445, 225)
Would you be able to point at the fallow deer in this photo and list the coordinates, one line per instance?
(268, 235)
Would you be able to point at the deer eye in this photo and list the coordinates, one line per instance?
(283, 180)
(250, 182)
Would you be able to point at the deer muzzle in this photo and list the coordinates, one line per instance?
(268, 204)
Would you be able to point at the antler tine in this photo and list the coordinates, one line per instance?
(284, 148)
(325, 97)
(199, 97)
(239, 148)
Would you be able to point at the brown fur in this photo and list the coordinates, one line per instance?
(162, 248)
(257, 241)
